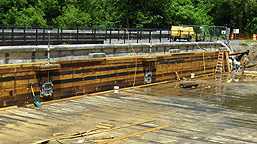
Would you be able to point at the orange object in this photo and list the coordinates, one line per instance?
(232, 36)
(254, 37)
(244, 61)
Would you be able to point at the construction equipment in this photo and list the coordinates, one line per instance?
(181, 32)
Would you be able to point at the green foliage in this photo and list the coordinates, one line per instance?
(131, 14)
(72, 16)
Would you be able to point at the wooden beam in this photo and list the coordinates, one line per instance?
(227, 61)
(241, 52)
(229, 43)
(253, 73)
(134, 134)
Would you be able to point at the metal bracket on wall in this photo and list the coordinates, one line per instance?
(148, 76)
(46, 88)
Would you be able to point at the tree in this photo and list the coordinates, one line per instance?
(72, 16)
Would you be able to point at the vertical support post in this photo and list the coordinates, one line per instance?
(58, 31)
(61, 35)
(110, 36)
(3, 33)
(151, 45)
(137, 35)
(12, 35)
(160, 36)
(118, 34)
(179, 35)
(36, 34)
(94, 35)
(77, 35)
(203, 34)
(169, 33)
(227, 61)
(105, 36)
(24, 33)
(140, 34)
(196, 36)
(124, 34)
(150, 36)
(44, 32)
(48, 49)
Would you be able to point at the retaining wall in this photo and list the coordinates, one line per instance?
(79, 77)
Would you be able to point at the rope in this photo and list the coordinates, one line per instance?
(203, 57)
(136, 58)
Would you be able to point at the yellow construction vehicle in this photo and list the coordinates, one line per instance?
(182, 32)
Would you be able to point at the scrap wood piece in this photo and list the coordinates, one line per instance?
(75, 135)
(105, 126)
(133, 134)
(58, 134)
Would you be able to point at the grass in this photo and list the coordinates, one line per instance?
(244, 42)
(249, 40)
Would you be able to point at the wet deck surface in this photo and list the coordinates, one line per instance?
(211, 113)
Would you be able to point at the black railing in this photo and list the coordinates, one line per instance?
(11, 35)
(38, 35)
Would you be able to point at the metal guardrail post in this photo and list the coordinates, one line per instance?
(58, 30)
(61, 34)
(12, 35)
(77, 34)
(169, 33)
(196, 36)
(137, 35)
(124, 34)
(110, 36)
(44, 32)
(36, 34)
(160, 36)
(118, 34)
(179, 35)
(94, 35)
(105, 34)
(150, 36)
(24, 32)
(140, 34)
(3, 33)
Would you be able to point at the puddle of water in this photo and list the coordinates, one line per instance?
(230, 92)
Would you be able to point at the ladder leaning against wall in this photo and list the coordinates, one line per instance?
(218, 75)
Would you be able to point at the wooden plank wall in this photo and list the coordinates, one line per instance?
(78, 77)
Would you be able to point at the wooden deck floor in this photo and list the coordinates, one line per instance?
(191, 119)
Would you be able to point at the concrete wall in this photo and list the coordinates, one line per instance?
(28, 54)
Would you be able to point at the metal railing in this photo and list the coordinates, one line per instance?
(38, 35)
(11, 35)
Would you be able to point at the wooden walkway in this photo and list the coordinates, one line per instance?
(136, 116)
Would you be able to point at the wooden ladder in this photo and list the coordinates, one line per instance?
(220, 62)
